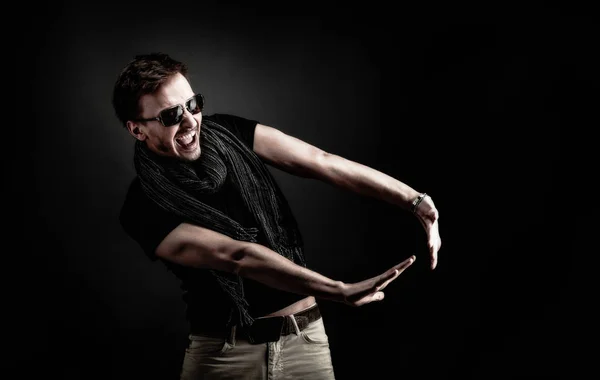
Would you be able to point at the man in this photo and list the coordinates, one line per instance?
(204, 203)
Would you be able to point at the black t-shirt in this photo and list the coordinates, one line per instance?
(148, 225)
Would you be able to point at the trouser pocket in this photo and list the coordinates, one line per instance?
(315, 333)
(207, 346)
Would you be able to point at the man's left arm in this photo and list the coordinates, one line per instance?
(299, 158)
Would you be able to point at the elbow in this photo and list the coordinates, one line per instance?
(198, 247)
(322, 165)
(235, 259)
(316, 167)
(225, 259)
(239, 259)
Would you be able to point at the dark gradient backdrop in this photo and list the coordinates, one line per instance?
(483, 107)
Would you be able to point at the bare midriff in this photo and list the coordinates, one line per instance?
(294, 308)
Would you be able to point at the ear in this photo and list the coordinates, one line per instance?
(135, 129)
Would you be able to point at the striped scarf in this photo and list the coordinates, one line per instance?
(177, 187)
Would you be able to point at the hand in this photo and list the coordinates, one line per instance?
(428, 216)
(361, 293)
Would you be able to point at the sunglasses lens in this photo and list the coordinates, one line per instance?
(195, 104)
(172, 116)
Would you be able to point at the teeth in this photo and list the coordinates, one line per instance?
(187, 135)
(186, 138)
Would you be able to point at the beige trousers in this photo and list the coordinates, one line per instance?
(301, 355)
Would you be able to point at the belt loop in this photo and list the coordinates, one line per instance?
(293, 318)
(231, 339)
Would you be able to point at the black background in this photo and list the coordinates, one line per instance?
(488, 108)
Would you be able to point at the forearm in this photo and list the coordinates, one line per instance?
(199, 247)
(261, 264)
(363, 180)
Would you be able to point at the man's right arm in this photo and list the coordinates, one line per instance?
(200, 247)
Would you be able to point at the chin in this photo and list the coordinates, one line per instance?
(190, 156)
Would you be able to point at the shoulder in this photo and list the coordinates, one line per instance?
(230, 120)
(241, 127)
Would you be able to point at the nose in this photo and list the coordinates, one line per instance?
(188, 118)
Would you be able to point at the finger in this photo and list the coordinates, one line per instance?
(434, 255)
(405, 264)
(434, 245)
(393, 273)
(386, 280)
(434, 248)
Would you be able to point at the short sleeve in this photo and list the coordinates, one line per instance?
(144, 221)
(241, 127)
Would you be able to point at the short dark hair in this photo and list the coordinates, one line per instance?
(142, 75)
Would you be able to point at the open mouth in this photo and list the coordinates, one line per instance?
(187, 140)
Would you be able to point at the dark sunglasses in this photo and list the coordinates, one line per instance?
(173, 115)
